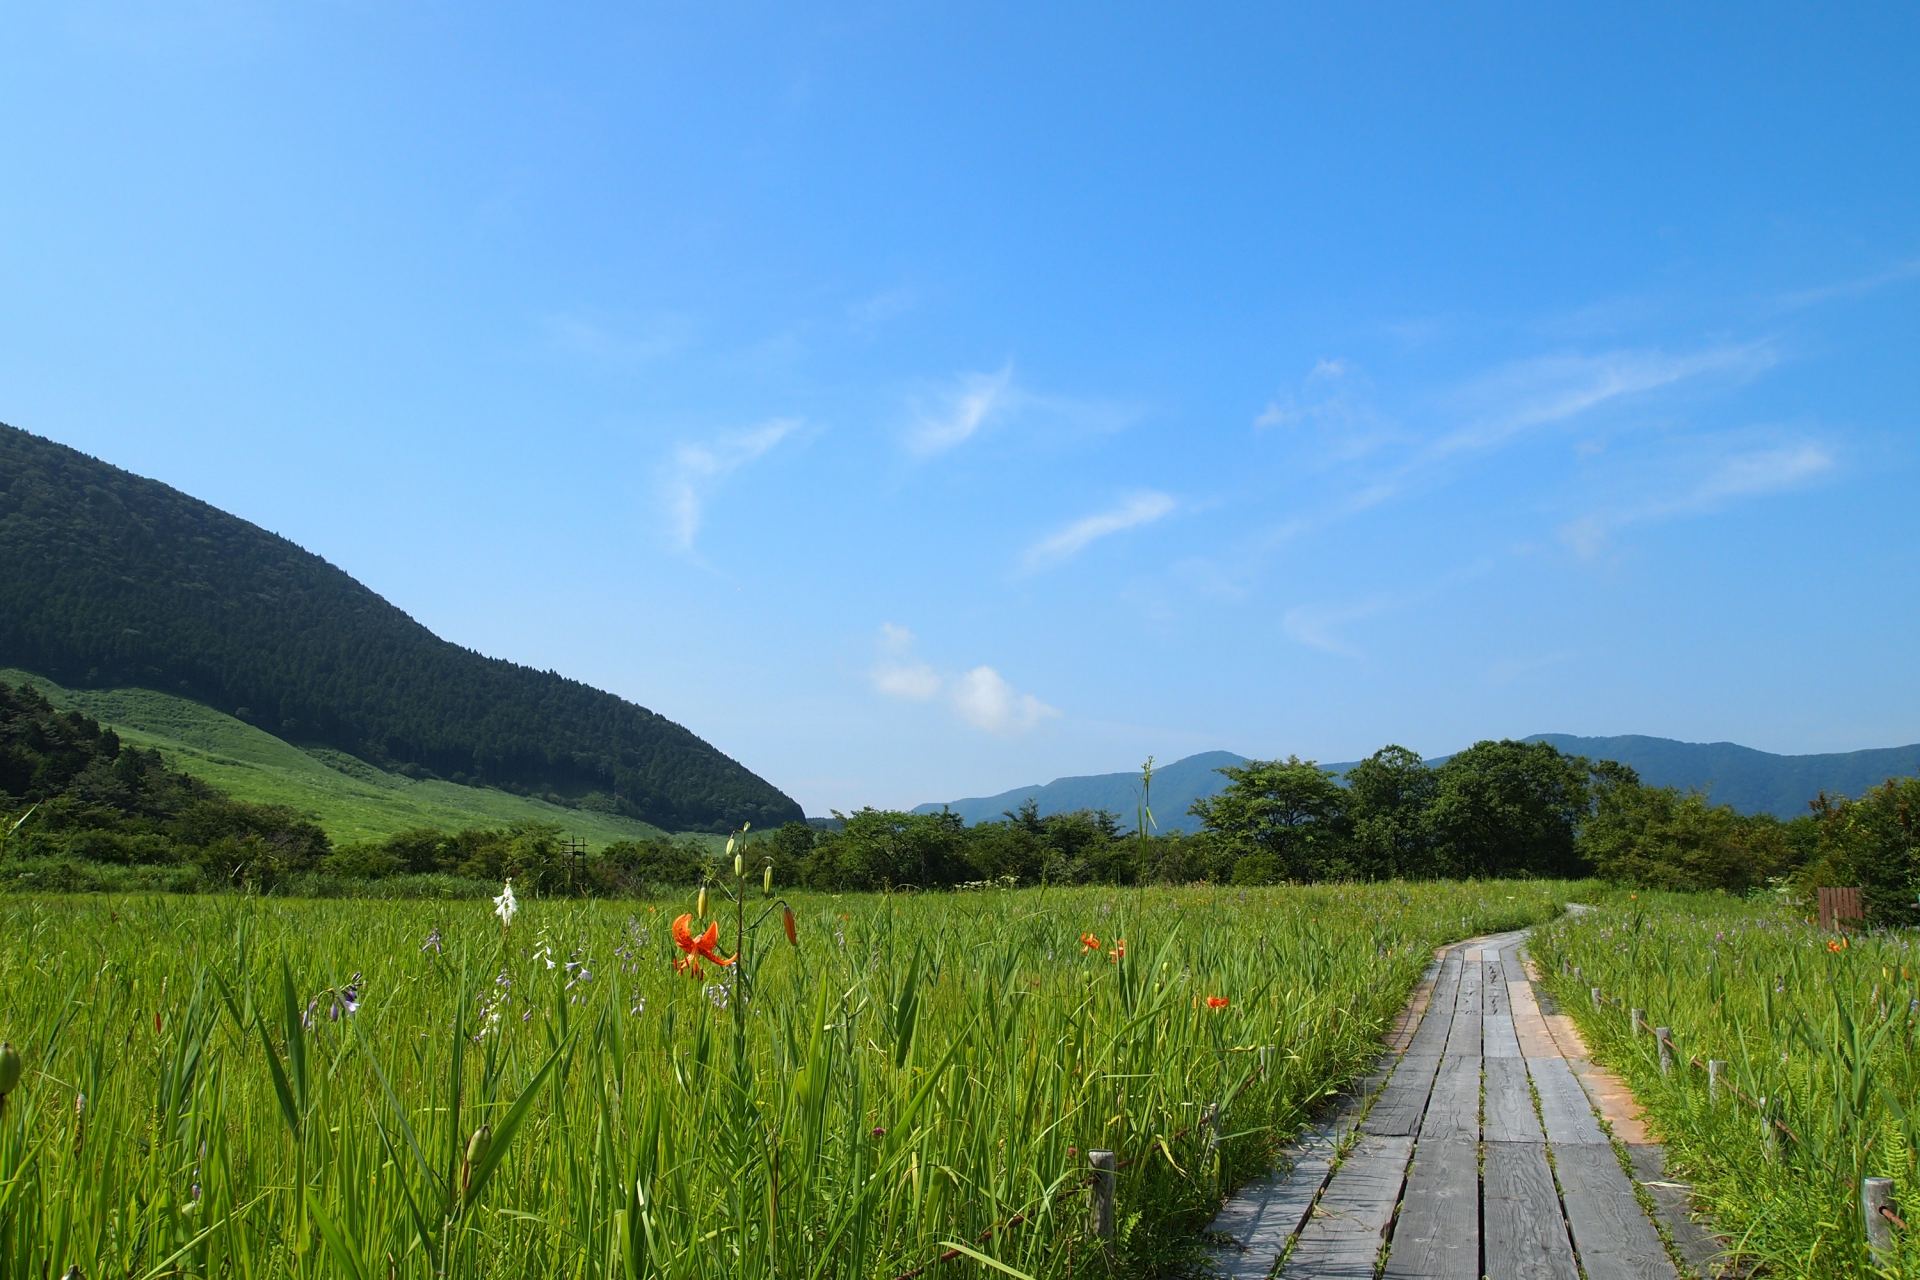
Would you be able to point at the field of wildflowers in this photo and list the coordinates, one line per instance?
(1818, 1032)
(856, 1086)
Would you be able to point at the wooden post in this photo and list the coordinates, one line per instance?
(1639, 1018)
(1593, 994)
(1876, 1197)
(1769, 1140)
(1103, 1171)
(1716, 1067)
(1266, 1059)
(1663, 1037)
(1210, 1121)
(1577, 972)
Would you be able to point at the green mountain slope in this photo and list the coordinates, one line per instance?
(347, 798)
(1750, 781)
(113, 581)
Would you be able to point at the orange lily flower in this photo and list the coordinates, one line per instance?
(1119, 951)
(1216, 1002)
(1837, 944)
(1089, 943)
(706, 946)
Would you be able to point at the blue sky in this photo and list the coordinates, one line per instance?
(917, 401)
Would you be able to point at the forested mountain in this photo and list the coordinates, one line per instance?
(108, 579)
(1749, 781)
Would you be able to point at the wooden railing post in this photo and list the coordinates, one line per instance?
(1716, 1068)
(1103, 1180)
(1663, 1036)
(1876, 1200)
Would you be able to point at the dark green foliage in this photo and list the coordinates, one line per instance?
(1284, 820)
(94, 801)
(113, 580)
(1659, 838)
(1506, 809)
(1872, 843)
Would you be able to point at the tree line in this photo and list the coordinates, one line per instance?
(105, 815)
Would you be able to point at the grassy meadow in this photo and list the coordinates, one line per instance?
(346, 797)
(1821, 1026)
(268, 1088)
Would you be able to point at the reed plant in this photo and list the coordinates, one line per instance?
(263, 1089)
(1822, 1082)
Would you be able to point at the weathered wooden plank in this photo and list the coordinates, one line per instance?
(1397, 1111)
(1497, 1036)
(1341, 1241)
(1493, 989)
(1611, 1235)
(1523, 1234)
(1472, 980)
(1513, 964)
(1453, 1111)
(1436, 1234)
(1564, 1108)
(1431, 1035)
(1263, 1216)
(1509, 1103)
(1697, 1246)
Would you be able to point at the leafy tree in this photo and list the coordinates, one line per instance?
(1388, 795)
(1507, 809)
(1874, 843)
(1291, 813)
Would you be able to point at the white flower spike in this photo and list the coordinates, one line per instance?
(506, 906)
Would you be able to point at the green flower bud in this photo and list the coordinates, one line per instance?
(476, 1152)
(700, 904)
(766, 882)
(10, 1068)
(739, 866)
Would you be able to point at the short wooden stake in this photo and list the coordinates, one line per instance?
(1266, 1059)
(1663, 1036)
(1578, 972)
(1103, 1177)
(1768, 1138)
(1210, 1120)
(1876, 1201)
(1639, 1019)
(1716, 1067)
(1593, 994)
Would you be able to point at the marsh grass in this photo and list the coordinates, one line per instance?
(1822, 1026)
(265, 1088)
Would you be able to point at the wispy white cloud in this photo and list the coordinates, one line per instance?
(1320, 626)
(624, 344)
(980, 697)
(1750, 473)
(1323, 626)
(897, 673)
(971, 406)
(1552, 389)
(985, 700)
(1859, 286)
(1064, 544)
(691, 475)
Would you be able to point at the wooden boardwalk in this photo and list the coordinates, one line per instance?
(1475, 1151)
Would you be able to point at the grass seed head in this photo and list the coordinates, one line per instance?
(10, 1068)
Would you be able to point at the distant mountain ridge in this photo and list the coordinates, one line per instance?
(109, 580)
(1749, 780)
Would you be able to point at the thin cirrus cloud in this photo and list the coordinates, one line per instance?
(1752, 473)
(695, 471)
(977, 401)
(979, 696)
(1064, 544)
(1546, 390)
